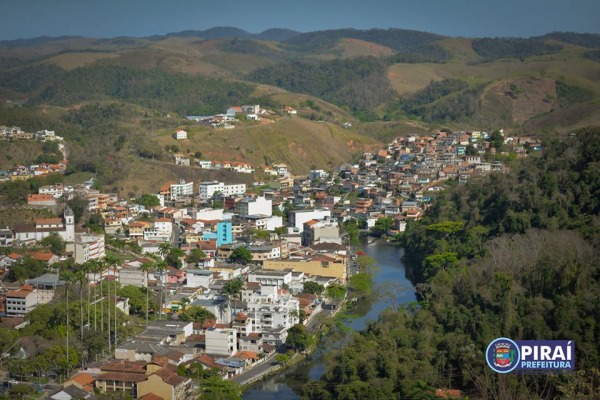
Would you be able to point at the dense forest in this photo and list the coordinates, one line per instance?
(445, 100)
(593, 55)
(245, 46)
(154, 88)
(591, 40)
(513, 255)
(494, 48)
(358, 83)
(396, 39)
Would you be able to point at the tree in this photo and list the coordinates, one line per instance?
(148, 200)
(78, 205)
(196, 314)
(195, 256)
(496, 139)
(137, 298)
(313, 288)
(147, 267)
(164, 249)
(216, 388)
(54, 242)
(367, 265)
(67, 277)
(361, 283)
(241, 254)
(174, 257)
(282, 358)
(336, 291)
(299, 338)
(233, 288)
(383, 224)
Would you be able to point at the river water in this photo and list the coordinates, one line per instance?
(288, 384)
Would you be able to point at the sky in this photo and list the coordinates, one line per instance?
(469, 18)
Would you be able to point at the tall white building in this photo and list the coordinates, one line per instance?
(182, 189)
(209, 188)
(271, 309)
(258, 206)
(87, 247)
(299, 217)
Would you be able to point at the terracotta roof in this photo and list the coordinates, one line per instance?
(208, 361)
(122, 377)
(209, 323)
(311, 222)
(48, 221)
(83, 378)
(42, 256)
(247, 354)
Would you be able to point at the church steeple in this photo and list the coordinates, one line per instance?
(69, 225)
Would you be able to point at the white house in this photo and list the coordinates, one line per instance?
(20, 302)
(209, 188)
(258, 206)
(180, 134)
(198, 277)
(221, 341)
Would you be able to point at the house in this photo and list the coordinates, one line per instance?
(83, 381)
(41, 200)
(221, 340)
(167, 384)
(180, 134)
(20, 302)
(71, 392)
(181, 159)
(289, 111)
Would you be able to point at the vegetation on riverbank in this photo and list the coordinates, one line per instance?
(510, 255)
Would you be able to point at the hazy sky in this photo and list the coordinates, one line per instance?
(110, 18)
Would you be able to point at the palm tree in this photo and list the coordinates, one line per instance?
(68, 278)
(161, 267)
(110, 261)
(147, 267)
(183, 303)
(164, 249)
(96, 267)
(87, 268)
(81, 278)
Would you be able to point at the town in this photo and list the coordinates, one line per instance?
(212, 278)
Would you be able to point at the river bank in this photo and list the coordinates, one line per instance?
(288, 383)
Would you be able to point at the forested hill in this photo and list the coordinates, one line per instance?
(512, 255)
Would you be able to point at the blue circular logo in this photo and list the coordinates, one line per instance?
(503, 355)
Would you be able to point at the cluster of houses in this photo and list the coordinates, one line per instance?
(22, 173)
(225, 121)
(14, 133)
(292, 231)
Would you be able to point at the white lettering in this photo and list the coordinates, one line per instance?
(526, 351)
(558, 353)
(569, 351)
(545, 353)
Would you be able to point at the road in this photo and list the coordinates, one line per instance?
(258, 371)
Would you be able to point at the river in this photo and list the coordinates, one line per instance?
(288, 384)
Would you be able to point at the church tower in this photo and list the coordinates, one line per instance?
(69, 225)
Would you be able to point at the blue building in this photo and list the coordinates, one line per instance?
(224, 233)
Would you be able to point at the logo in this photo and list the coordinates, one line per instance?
(503, 355)
(531, 356)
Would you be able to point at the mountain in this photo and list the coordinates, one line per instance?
(396, 39)
(524, 85)
(273, 34)
(34, 41)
